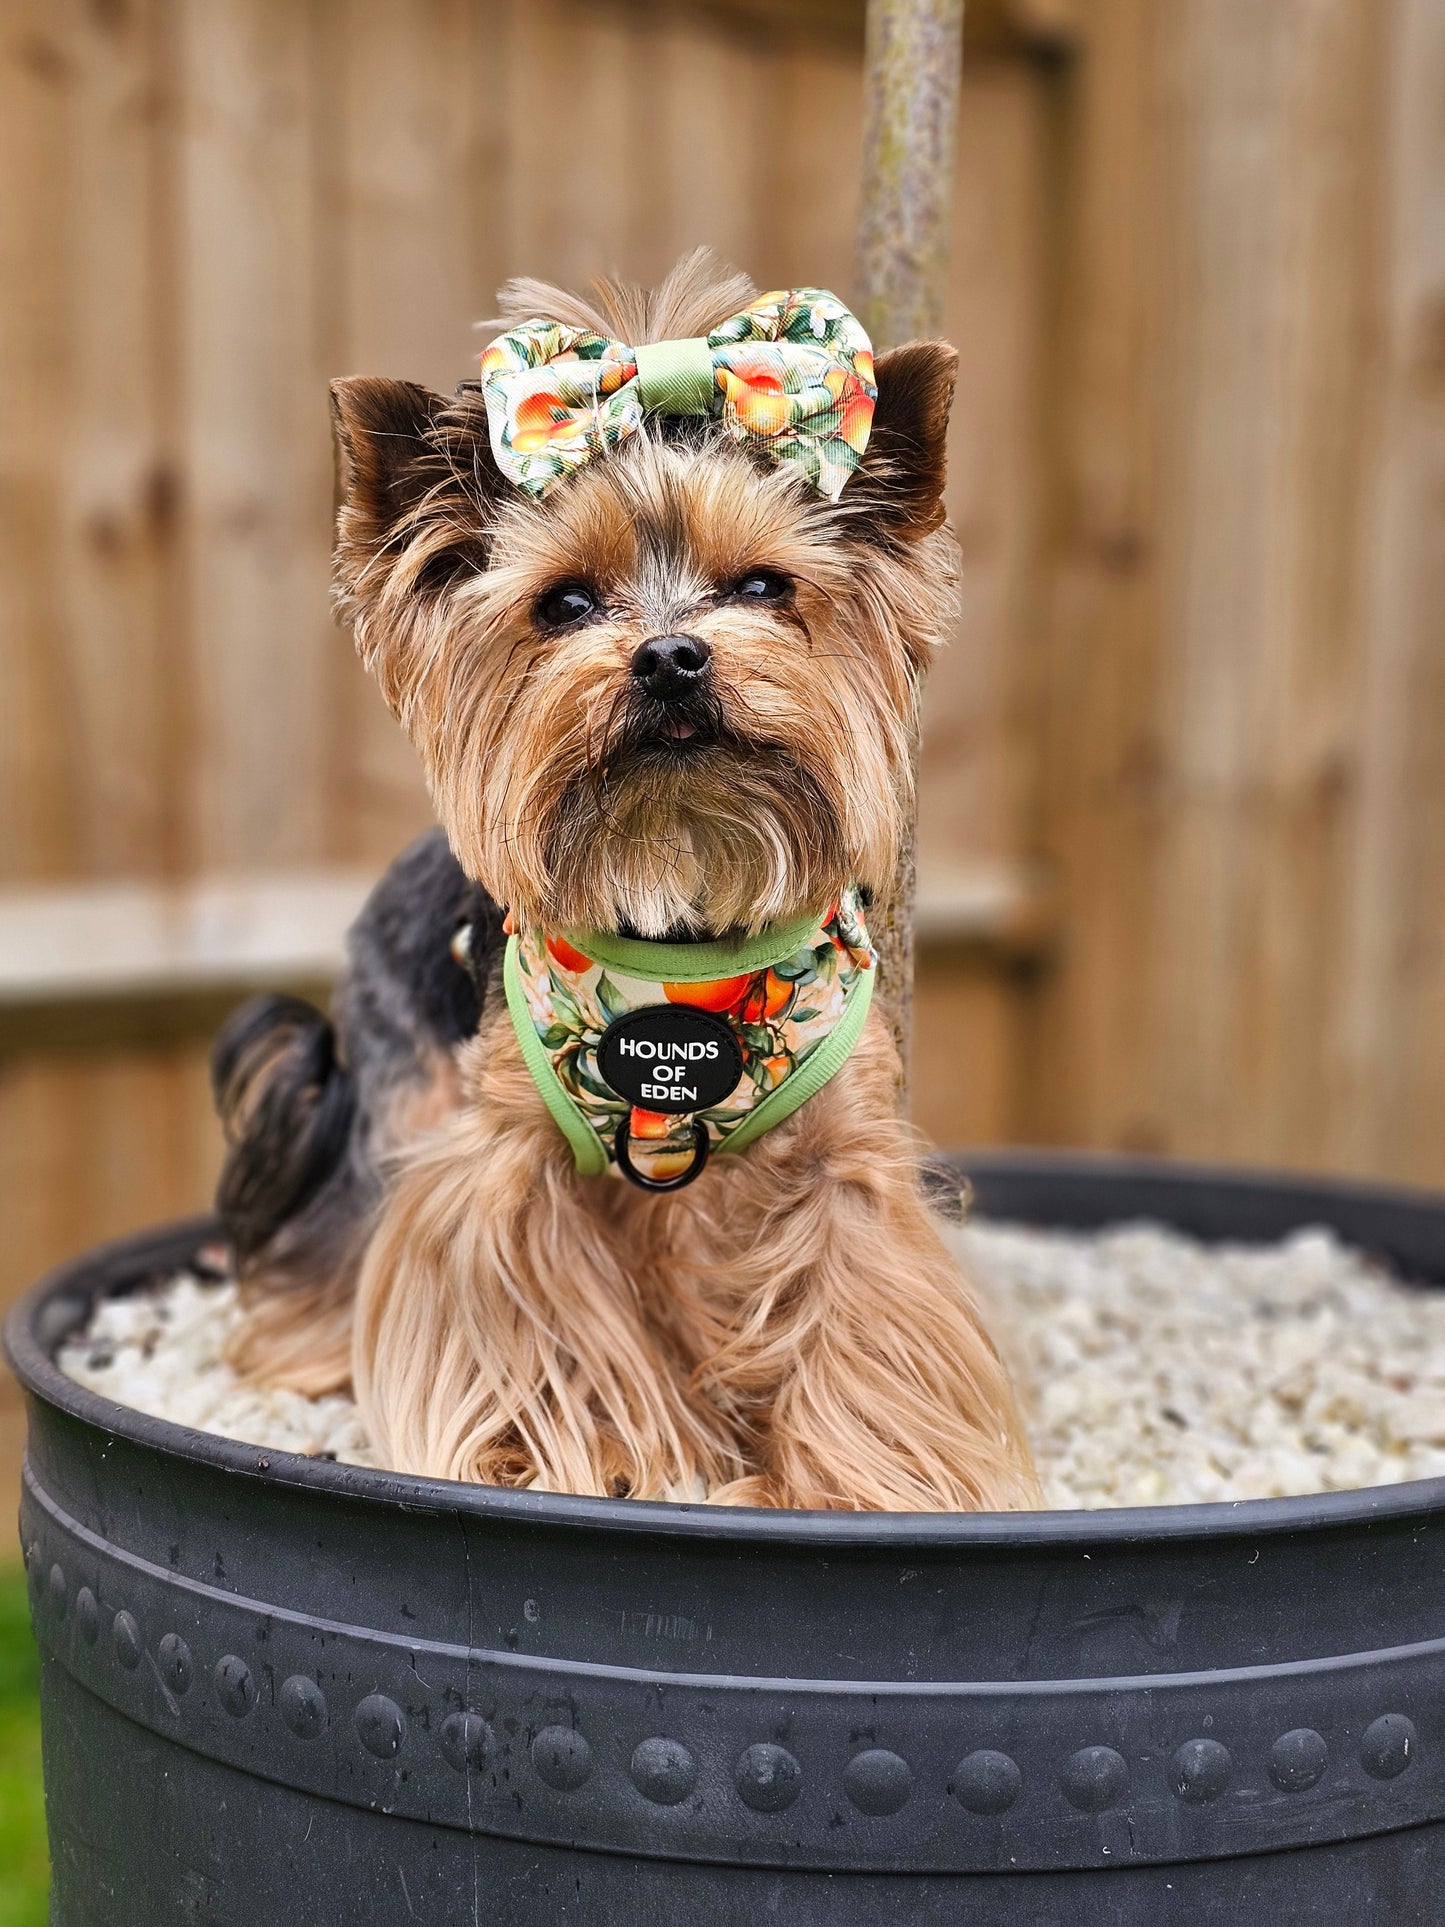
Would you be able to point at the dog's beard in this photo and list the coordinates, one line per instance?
(682, 826)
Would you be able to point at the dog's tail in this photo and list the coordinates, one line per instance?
(313, 1107)
(294, 1195)
(287, 1106)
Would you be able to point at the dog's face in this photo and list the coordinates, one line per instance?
(678, 693)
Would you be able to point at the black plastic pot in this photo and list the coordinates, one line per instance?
(277, 1691)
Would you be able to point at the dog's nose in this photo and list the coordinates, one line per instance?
(669, 665)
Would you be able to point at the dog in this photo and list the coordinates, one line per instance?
(663, 682)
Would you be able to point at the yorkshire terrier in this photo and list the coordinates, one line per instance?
(610, 1194)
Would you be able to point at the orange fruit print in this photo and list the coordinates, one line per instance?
(769, 994)
(719, 994)
(569, 958)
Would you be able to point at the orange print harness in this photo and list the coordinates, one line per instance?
(651, 1057)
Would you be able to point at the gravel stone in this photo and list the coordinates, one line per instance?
(161, 1351)
(1154, 1370)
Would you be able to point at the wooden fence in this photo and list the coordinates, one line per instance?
(1242, 720)
(1198, 467)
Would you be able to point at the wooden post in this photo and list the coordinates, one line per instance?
(912, 61)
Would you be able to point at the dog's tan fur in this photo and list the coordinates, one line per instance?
(790, 1330)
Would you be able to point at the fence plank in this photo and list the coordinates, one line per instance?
(256, 440)
(977, 767)
(36, 801)
(716, 114)
(1392, 1036)
(1102, 761)
(118, 484)
(1273, 312)
(414, 217)
(1207, 751)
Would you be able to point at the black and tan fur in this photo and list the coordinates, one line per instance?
(789, 1330)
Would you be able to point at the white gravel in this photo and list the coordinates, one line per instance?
(160, 1351)
(1160, 1371)
(1155, 1370)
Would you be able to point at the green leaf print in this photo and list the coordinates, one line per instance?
(579, 1075)
(610, 997)
(566, 1004)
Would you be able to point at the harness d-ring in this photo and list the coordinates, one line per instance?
(701, 1146)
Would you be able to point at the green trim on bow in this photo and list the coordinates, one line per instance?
(675, 377)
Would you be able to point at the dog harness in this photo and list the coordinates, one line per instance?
(653, 1056)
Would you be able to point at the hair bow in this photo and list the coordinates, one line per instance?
(792, 375)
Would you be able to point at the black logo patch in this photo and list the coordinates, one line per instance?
(670, 1058)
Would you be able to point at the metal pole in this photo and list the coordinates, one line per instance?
(913, 57)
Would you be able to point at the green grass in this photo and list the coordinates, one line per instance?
(24, 1864)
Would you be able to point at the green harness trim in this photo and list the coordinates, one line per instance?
(588, 1149)
(811, 1075)
(795, 999)
(692, 963)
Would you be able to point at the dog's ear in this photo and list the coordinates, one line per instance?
(898, 488)
(382, 431)
(415, 472)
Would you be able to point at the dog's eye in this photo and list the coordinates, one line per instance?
(567, 603)
(763, 585)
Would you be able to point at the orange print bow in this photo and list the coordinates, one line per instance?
(792, 374)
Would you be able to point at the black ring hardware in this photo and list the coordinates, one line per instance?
(701, 1146)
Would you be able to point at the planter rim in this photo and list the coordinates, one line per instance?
(31, 1360)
